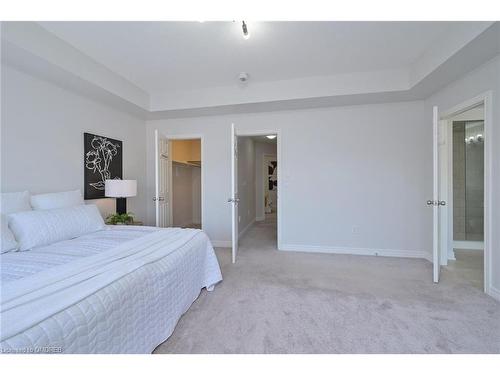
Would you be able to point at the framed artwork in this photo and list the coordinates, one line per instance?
(272, 175)
(102, 161)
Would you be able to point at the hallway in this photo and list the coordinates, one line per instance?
(261, 236)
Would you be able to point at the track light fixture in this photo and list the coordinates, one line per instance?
(244, 27)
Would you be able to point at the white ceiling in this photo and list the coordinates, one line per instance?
(165, 56)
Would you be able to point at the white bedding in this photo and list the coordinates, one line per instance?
(120, 290)
(15, 266)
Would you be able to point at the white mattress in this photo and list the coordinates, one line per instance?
(133, 314)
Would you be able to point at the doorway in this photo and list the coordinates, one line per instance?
(186, 183)
(467, 190)
(465, 187)
(255, 202)
(179, 180)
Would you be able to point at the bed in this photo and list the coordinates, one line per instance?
(121, 289)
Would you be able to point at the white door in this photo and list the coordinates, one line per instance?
(233, 200)
(162, 170)
(436, 202)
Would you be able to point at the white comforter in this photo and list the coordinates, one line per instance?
(120, 294)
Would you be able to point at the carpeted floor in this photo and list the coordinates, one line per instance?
(284, 302)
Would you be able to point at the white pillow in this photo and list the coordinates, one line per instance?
(37, 228)
(52, 201)
(8, 242)
(14, 202)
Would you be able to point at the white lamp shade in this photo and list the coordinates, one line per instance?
(120, 188)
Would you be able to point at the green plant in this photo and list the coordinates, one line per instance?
(120, 218)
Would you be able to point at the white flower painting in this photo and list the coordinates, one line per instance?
(103, 161)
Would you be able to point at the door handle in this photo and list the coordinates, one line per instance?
(160, 199)
(436, 203)
(233, 200)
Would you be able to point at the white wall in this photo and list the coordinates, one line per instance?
(246, 183)
(42, 139)
(367, 167)
(261, 149)
(485, 78)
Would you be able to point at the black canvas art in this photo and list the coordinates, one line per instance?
(273, 175)
(102, 161)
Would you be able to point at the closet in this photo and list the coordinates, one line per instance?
(186, 183)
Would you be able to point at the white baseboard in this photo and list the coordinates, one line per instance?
(216, 243)
(494, 292)
(468, 245)
(428, 256)
(221, 243)
(244, 230)
(357, 251)
(260, 218)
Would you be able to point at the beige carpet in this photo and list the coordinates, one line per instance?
(284, 302)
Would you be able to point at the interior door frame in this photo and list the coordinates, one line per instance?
(279, 159)
(185, 137)
(486, 99)
(445, 190)
(234, 198)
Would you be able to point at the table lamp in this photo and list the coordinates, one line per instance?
(121, 190)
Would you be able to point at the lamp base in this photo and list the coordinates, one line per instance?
(121, 206)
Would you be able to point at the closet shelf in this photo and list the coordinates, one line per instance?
(190, 163)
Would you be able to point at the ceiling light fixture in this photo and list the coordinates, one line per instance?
(244, 27)
(272, 136)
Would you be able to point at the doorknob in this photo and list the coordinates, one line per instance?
(436, 203)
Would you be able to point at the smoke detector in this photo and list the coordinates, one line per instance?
(243, 77)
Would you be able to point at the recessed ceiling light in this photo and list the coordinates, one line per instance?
(272, 136)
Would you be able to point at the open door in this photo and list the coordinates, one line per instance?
(436, 203)
(234, 193)
(162, 168)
